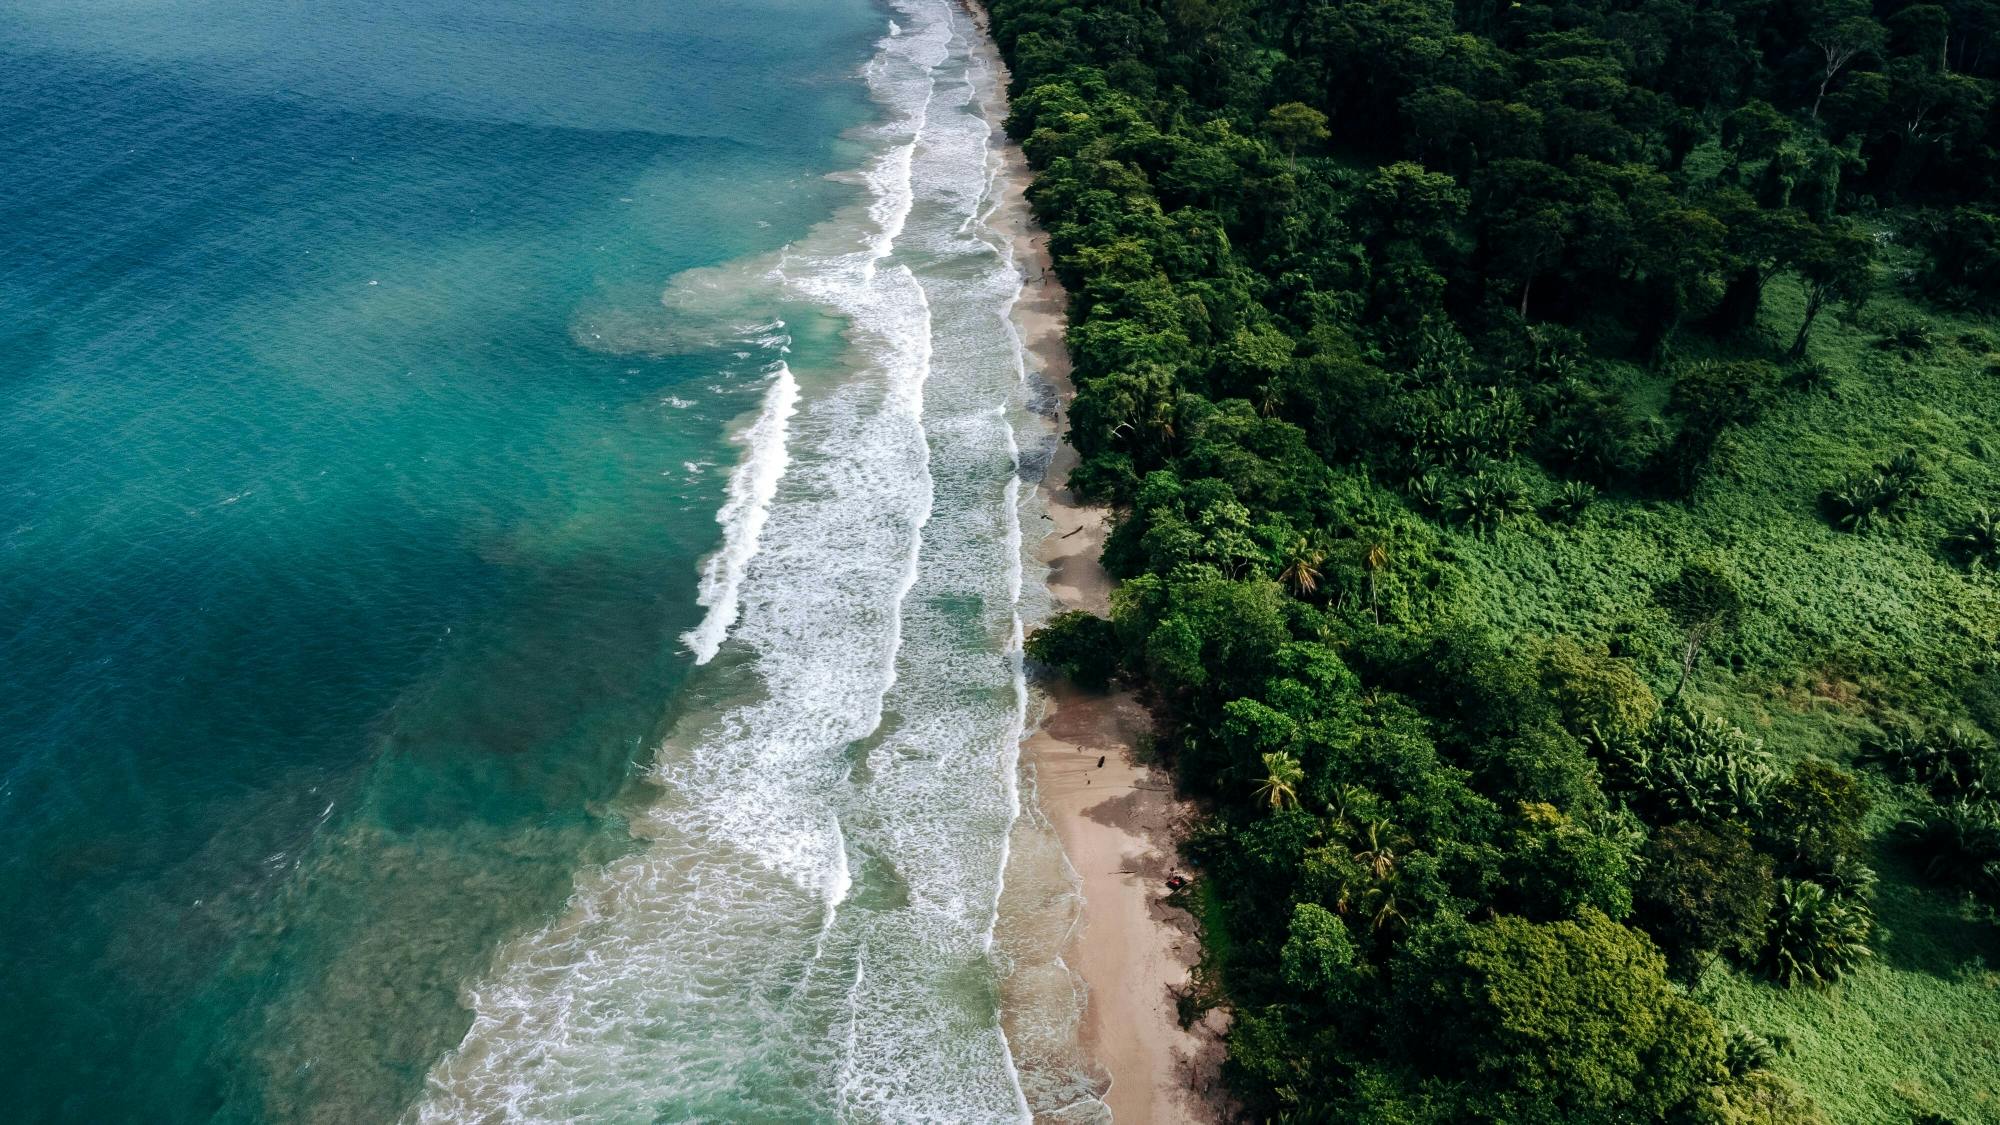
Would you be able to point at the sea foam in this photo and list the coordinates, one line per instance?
(751, 486)
(805, 930)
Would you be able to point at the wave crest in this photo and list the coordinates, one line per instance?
(752, 485)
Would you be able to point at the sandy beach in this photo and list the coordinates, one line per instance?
(1127, 950)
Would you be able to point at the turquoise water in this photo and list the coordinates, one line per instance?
(513, 569)
(357, 488)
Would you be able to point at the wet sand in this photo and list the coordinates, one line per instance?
(1125, 947)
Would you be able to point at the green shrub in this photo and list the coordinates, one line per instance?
(1958, 844)
(1458, 426)
(1977, 540)
(1487, 499)
(1912, 335)
(1693, 766)
(1813, 818)
(1596, 437)
(1559, 1021)
(1711, 398)
(1810, 377)
(1814, 936)
(1318, 955)
(1745, 1051)
(1860, 500)
(1428, 491)
(1571, 499)
(1594, 691)
(1857, 501)
(1849, 878)
(1759, 1097)
(1080, 645)
(1961, 249)
(1557, 868)
(1952, 762)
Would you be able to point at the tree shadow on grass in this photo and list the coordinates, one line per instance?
(1929, 929)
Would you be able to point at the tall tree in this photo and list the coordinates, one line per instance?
(1836, 263)
(1704, 600)
(1842, 33)
(1704, 892)
(1296, 124)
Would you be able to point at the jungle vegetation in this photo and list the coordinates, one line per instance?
(1555, 448)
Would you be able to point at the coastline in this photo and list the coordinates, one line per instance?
(1124, 950)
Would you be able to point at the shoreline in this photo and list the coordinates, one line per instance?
(1123, 948)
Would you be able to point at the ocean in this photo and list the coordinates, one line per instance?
(511, 563)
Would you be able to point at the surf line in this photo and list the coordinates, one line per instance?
(752, 486)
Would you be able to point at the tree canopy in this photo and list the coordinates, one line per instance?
(1399, 328)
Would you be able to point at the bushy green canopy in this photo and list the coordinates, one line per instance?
(1543, 443)
(1570, 1021)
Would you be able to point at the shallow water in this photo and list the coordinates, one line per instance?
(342, 560)
(447, 676)
(807, 930)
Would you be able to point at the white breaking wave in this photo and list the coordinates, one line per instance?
(804, 931)
(751, 486)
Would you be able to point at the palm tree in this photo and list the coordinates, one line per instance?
(1373, 560)
(1383, 910)
(1160, 419)
(1282, 778)
(1270, 397)
(1302, 573)
(1378, 902)
(1379, 857)
(1344, 802)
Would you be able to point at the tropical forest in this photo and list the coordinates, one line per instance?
(1554, 449)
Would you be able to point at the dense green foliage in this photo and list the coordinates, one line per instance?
(1559, 1021)
(1080, 646)
(1550, 441)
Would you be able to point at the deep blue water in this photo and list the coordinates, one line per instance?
(341, 565)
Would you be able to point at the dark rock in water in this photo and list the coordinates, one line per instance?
(1042, 399)
(1034, 462)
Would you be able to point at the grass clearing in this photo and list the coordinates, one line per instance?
(1915, 1030)
(1844, 630)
